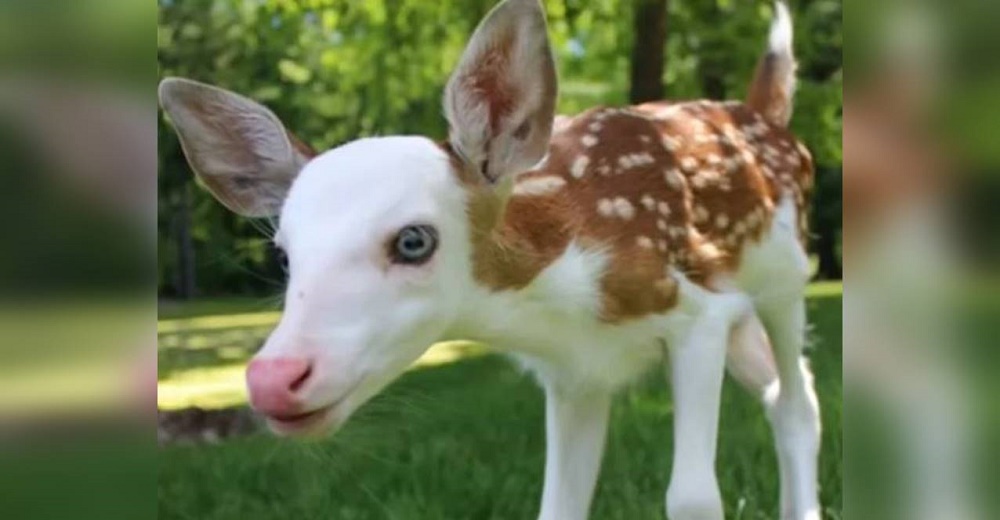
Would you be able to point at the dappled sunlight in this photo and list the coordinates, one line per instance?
(825, 289)
(222, 385)
(226, 321)
(211, 387)
(449, 352)
(201, 359)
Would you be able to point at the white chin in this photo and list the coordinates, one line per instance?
(316, 424)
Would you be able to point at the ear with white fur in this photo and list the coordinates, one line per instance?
(500, 101)
(237, 147)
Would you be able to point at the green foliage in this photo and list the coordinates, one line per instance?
(336, 70)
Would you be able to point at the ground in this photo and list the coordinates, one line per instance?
(460, 436)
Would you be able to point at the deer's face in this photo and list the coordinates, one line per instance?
(376, 231)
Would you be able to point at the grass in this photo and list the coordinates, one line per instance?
(465, 440)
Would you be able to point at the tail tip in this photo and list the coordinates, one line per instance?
(780, 38)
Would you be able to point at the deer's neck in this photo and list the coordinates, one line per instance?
(514, 240)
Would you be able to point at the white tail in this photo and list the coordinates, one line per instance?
(677, 224)
(773, 87)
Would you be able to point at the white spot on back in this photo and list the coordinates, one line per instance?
(689, 163)
(624, 208)
(579, 167)
(733, 163)
(674, 178)
(536, 186)
(589, 140)
(605, 208)
(667, 112)
(642, 159)
(721, 221)
(700, 213)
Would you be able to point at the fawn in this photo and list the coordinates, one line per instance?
(589, 248)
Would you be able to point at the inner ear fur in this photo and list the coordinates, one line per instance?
(239, 149)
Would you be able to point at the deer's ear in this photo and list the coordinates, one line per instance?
(501, 99)
(237, 147)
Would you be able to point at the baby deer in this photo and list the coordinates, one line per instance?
(589, 248)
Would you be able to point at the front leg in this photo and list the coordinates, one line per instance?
(576, 423)
(698, 361)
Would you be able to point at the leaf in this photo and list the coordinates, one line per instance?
(293, 72)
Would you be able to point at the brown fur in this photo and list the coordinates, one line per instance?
(657, 186)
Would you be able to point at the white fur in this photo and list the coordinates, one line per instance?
(361, 318)
(780, 38)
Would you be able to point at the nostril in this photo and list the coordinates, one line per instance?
(274, 384)
(298, 383)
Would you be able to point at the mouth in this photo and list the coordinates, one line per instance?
(312, 422)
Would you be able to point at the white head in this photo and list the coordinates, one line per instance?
(377, 231)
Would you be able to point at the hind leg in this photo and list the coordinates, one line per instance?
(697, 360)
(794, 410)
(750, 361)
(749, 358)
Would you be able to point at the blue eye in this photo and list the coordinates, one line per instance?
(415, 245)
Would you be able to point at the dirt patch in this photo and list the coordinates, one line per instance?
(200, 426)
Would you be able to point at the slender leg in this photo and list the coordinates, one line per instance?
(751, 363)
(749, 359)
(794, 411)
(698, 364)
(576, 422)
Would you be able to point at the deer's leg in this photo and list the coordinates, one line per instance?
(698, 363)
(750, 360)
(576, 422)
(793, 411)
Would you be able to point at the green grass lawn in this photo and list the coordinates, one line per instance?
(465, 440)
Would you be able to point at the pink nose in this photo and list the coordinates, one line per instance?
(273, 384)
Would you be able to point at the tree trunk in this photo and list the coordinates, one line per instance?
(650, 29)
(825, 244)
(186, 283)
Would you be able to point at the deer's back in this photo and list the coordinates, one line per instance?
(658, 186)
